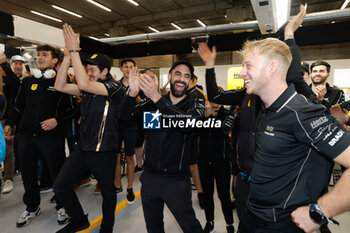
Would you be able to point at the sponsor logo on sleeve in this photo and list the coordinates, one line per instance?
(318, 122)
(336, 137)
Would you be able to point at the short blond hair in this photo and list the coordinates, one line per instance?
(272, 48)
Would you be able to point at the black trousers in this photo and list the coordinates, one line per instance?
(241, 193)
(221, 174)
(102, 166)
(176, 194)
(255, 224)
(51, 149)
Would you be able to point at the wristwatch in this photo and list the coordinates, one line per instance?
(318, 216)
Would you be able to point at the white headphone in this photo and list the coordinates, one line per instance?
(48, 74)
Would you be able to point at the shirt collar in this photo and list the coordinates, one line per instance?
(283, 99)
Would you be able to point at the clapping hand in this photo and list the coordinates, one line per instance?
(134, 79)
(70, 38)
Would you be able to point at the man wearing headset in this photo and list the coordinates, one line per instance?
(40, 111)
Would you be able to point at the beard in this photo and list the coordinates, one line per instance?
(177, 93)
(320, 81)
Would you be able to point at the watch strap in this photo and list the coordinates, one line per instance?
(316, 208)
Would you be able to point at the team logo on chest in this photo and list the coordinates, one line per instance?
(269, 130)
(34, 87)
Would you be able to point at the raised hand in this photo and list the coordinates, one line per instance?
(340, 114)
(70, 38)
(320, 91)
(207, 55)
(3, 58)
(134, 78)
(149, 86)
(295, 23)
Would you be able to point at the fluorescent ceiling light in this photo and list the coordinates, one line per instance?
(201, 23)
(176, 26)
(282, 8)
(153, 29)
(67, 11)
(106, 34)
(99, 5)
(46, 16)
(346, 2)
(133, 2)
(94, 38)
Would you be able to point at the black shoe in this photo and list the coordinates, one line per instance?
(201, 200)
(138, 169)
(324, 229)
(230, 229)
(130, 197)
(73, 227)
(27, 217)
(209, 228)
(118, 190)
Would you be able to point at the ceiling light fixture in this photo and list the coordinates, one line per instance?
(201, 23)
(176, 26)
(92, 37)
(271, 15)
(99, 5)
(46, 16)
(283, 12)
(133, 2)
(153, 29)
(67, 11)
(346, 2)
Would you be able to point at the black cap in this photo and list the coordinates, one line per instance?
(99, 59)
(186, 63)
(305, 66)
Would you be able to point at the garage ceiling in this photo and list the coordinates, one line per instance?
(127, 19)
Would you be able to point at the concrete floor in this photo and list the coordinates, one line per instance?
(128, 220)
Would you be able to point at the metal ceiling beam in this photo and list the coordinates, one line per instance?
(309, 18)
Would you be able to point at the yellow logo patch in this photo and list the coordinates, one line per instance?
(93, 56)
(34, 87)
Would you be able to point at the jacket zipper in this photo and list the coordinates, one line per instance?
(182, 153)
(102, 127)
(40, 86)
